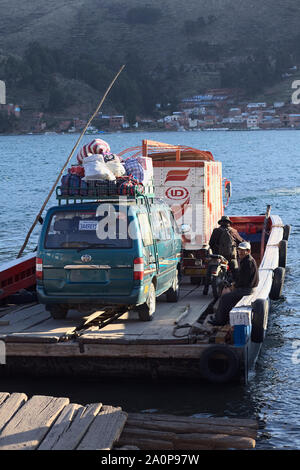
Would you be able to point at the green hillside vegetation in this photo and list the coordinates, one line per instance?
(62, 54)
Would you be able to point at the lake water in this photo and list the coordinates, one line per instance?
(264, 169)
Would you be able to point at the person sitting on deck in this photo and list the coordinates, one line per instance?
(247, 280)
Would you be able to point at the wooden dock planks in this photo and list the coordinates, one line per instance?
(30, 424)
(51, 423)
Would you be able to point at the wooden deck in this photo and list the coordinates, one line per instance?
(29, 331)
(51, 423)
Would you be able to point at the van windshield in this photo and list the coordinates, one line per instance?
(88, 229)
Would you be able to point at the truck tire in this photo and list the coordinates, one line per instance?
(219, 364)
(260, 310)
(146, 311)
(282, 253)
(286, 232)
(277, 284)
(58, 312)
(173, 292)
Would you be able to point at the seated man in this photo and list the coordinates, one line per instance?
(247, 280)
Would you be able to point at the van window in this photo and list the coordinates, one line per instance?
(84, 228)
(145, 229)
(167, 224)
(175, 226)
(159, 230)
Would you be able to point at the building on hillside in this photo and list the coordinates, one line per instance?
(256, 106)
(294, 120)
(116, 122)
(11, 109)
(253, 122)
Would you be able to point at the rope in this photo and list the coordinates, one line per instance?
(67, 162)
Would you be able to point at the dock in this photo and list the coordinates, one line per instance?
(125, 347)
(53, 423)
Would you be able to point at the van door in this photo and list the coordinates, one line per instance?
(165, 249)
(149, 246)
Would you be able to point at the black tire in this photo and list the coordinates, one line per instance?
(58, 312)
(173, 292)
(219, 364)
(286, 232)
(217, 285)
(147, 310)
(260, 310)
(282, 253)
(277, 284)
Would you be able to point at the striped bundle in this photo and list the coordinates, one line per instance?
(97, 146)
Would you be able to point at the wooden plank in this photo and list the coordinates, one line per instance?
(10, 407)
(105, 430)
(72, 435)
(64, 349)
(31, 423)
(21, 313)
(131, 432)
(245, 422)
(49, 331)
(21, 326)
(73, 349)
(188, 427)
(147, 444)
(60, 426)
(210, 441)
(3, 396)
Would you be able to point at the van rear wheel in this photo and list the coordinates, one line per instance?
(147, 310)
(58, 312)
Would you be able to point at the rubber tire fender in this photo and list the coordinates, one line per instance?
(282, 253)
(286, 232)
(213, 352)
(277, 284)
(260, 311)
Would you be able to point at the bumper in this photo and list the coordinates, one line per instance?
(136, 297)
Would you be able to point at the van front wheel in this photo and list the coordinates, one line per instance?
(173, 292)
(147, 310)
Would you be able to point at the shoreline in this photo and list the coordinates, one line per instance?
(131, 131)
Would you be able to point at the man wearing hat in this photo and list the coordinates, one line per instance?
(247, 280)
(224, 240)
(215, 239)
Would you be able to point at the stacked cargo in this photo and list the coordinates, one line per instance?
(102, 173)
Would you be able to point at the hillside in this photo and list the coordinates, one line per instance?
(172, 49)
(102, 26)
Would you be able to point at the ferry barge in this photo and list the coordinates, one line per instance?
(179, 341)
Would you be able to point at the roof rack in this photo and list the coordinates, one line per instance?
(97, 194)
